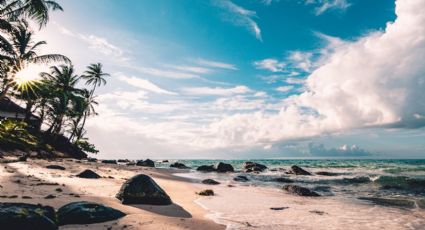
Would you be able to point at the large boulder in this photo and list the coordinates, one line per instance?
(20, 216)
(57, 167)
(179, 165)
(224, 168)
(87, 213)
(146, 163)
(298, 171)
(206, 168)
(253, 167)
(300, 191)
(88, 174)
(141, 189)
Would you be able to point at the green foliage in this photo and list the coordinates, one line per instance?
(86, 146)
(14, 135)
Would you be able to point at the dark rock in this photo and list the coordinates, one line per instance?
(326, 174)
(58, 167)
(46, 184)
(421, 203)
(298, 171)
(50, 196)
(283, 180)
(179, 165)
(356, 180)
(241, 178)
(253, 167)
(87, 213)
(23, 158)
(278, 208)
(58, 190)
(141, 189)
(146, 163)
(401, 203)
(206, 192)
(210, 182)
(224, 168)
(206, 168)
(20, 216)
(165, 161)
(88, 174)
(123, 161)
(91, 159)
(318, 212)
(26, 197)
(114, 162)
(300, 191)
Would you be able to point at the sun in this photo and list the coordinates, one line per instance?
(26, 78)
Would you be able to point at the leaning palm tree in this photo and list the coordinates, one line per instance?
(17, 50)
(95, 76)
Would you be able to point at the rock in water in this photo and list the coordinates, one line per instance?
(298, 171)
(241, 179)
(283, 180)
(87, 213)
(179, 166)
(300, 191)
(326, 174)
(141, 189)
(88, 174)
(210, 182)
(206, 168)
(20, 216)
(146, 163)
(253, 167)
(114, 162)
(223, 168)
(58, 167)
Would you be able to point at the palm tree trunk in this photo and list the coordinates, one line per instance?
(28, 113)
(5, 91)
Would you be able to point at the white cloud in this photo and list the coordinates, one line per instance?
(270, 64)
(321, 6)
(144, 84)
(285, 89)
(193, 69)
(167, 73)
(240, 16)
(217, 91)
(216, 64)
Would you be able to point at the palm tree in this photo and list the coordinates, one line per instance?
(62, 83)
(84, 107)
(95, 76)
(19, 50)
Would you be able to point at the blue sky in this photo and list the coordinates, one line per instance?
(251, 78)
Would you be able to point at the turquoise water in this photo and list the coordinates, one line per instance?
(353, 178)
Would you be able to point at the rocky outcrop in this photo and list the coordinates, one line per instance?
(300, 191)
(87, 213)
(224, 168)
(298, 171)
(141, 189)
(206, 168)
(19, 216)
(146, 163)
(253, 167)
(88, 174)
(241, 178)
(179, 165)
(210, 182)
(57, 167)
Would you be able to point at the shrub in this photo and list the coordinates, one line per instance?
(14, 135)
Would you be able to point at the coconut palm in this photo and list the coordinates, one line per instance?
(17, 50)
(95, 76)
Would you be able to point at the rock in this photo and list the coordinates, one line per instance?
(114, 162)
(87, 213)
(20, 216)
(224, 168)
(356, 180)
(318, 212)
(253, 167)
(58, 167)
(283, 180)
(210, 182)
(123, 160)
(241, 178)
(206, 168)
(88, 174)
(326, 174)
(131, 163)
(23, 158)
(146, 163)
(179, 165)
(58, 190)
(300, 191)
(298, 171)
(206, 192)
(401, 203)
(421, 203)
(50, 196)
(278, 208)
(141, 189)
(165, 161)
(91, 159)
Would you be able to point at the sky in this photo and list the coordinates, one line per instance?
(251, 78)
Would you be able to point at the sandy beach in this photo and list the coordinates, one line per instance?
(20, 179)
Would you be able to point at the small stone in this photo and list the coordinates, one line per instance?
(206, 192)
(210, 182)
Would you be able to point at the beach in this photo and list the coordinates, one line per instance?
(252, 204)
